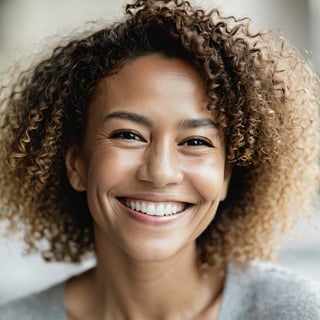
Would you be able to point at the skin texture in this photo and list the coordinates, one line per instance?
(150, 158)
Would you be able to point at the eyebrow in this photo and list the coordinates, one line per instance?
(198, 123)
(140, 119)
(131, 116)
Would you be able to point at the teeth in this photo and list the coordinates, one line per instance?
(155, 208)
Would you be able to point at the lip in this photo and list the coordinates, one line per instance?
(153, 220)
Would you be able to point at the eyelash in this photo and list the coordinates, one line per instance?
(131, 135)
(126, 135)
(198, 141)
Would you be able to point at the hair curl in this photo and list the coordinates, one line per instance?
(264, 95)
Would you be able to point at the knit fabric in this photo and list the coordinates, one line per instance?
(261, 292)
(268, 292)
(46, 305)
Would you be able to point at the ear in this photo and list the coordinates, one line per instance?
(76, 169)
(226, 181)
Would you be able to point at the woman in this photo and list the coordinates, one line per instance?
(178, 147)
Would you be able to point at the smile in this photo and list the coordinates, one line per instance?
(155, 208)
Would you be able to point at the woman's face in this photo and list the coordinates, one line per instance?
(153, 161)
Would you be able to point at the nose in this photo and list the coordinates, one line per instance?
(161, 165)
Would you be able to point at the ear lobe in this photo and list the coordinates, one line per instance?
(75, 168)
(226, 182)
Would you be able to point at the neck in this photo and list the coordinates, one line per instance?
(124, 288)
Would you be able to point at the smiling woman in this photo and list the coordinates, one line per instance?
(178, 148)
(136, 163)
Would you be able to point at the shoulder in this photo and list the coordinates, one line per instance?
(267, 291)
(47, 304)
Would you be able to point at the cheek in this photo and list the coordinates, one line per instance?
(207, 177)
(110, 167)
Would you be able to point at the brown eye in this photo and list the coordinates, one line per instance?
(126, 135)
(195, 142)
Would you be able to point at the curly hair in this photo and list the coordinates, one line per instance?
(265, 98)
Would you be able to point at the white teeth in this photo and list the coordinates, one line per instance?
(167, 209)
(160, 210)
(174, 209)
(155, 208)
(151, 209)
(143, 207)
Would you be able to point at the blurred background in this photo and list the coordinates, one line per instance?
(26, 26)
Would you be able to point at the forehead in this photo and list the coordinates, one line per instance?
(152, 77)
(160, 68)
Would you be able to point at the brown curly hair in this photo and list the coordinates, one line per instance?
(264, 95)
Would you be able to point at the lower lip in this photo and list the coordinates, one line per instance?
(153, 220)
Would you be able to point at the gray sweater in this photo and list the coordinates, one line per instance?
(261, 292)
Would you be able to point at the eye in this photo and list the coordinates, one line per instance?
(126, 135)
(197, 141)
